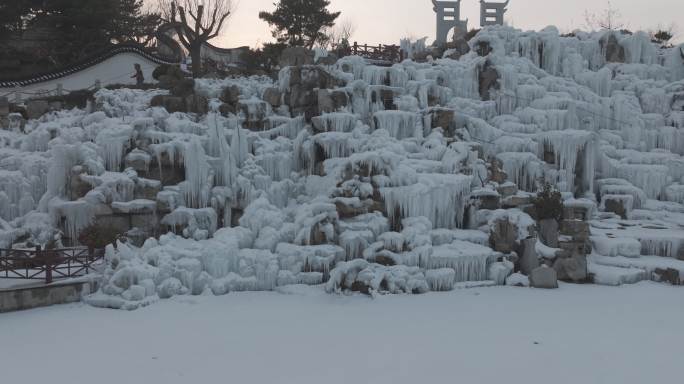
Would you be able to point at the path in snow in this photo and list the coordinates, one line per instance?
(585, 334)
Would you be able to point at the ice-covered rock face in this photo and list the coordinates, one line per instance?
(281, 182)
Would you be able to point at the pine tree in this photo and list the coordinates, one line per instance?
(84, 26)
(300, 22)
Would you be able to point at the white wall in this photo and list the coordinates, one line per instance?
(115, 70)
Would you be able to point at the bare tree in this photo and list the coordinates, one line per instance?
(196, 22)
(610, 18)
(340, 35)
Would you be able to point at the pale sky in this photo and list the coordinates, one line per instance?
(387, 21)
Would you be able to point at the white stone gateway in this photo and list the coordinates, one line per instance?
(492, 13)
(448, 18)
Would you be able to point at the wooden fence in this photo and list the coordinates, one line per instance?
(38, 264)
(382, 53)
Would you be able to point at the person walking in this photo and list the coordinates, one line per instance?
(139, 77)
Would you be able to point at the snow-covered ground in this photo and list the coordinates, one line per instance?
(577, 334)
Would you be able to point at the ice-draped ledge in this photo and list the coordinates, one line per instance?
(440, 198)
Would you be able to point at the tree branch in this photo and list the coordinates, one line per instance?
(220, 25)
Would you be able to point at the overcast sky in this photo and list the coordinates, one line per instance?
(386, 21)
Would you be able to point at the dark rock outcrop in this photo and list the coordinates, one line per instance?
(488, 80)
(614, 52)
(296, 56)
(544, 277)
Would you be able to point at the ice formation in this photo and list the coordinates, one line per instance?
(386, 192)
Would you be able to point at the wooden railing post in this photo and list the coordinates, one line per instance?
(43, 256)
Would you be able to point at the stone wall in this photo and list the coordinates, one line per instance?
(41, 295)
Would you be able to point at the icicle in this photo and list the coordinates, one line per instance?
(77, 216)
(652, 179)
(335, 122)
(64, 158)
(567, 147)
(277, 165)
(375, 75)
(239, 146)
(227, 172)
(355, 242)
(522, 168)
(438, 197)
(196, 175)
(468, 260)
(400, 124)
(113, 142)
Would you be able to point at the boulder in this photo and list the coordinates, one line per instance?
(488, 80)
(518, 280)
(55, 105)
(226, 109)
(498, 175)
(678, 102)
(303, 88)
(618, 204)
(183, 88)
(517, 201)
(134, 293)
(529, 260)
(543, 277)
(457, 48)
(572, 246)
(345, 210)
(332, 100)
(573, 268)
(16, 122)
(498, 272)
(231, 95)
(490, 202)
(442, 118)
(577, 229)
(503, 236)
(668, 275)
(483, 48)
(273, 96)
(255, 113)
(507, 189)
(576, 212)
(37, 108)
(168, 75)
(330, 59)
(615, 53)
(196, 104)
(548, 232)
(296, 56)
(171, 103)
(311, 77)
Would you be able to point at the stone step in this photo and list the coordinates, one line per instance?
(652, 267)
(608, 275)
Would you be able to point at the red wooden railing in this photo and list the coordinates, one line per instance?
(47, 264)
